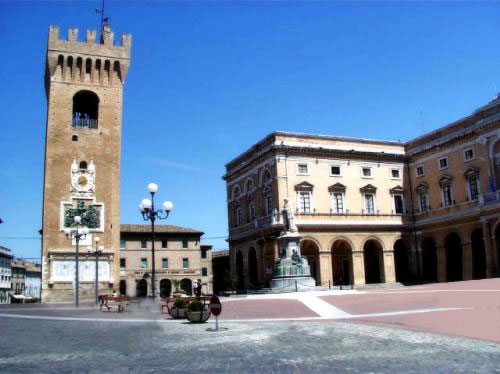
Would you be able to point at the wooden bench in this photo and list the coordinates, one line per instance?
(118, 302)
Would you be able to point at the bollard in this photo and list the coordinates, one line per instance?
(329, 285)
(296, 289)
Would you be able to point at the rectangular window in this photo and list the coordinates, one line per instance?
(164, 243)
(123, 243)
(302, 169)
(185, 263)
(473, 189)
(144, 263)
(305, 202)
(395, 174)
(144, 243)
(398, 204)
(366, 172)
(338, 202)
(369, 204)
(184, 243)
(424, 206)
(164, 263)
(122, 263)
(447, 195)
(419, 171)
(469, 154)
(269, 205)
(203, 253)
(335, 170)
(204, 272)
(443, 163)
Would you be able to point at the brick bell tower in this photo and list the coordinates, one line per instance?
(84, 85)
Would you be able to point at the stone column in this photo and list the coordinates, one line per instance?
(389, 270)
(325, 268)
(467, 260)
(488, 248)
(358, 265)
(441, 263)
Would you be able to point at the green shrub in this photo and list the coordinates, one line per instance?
(196, 306)
(180, 303)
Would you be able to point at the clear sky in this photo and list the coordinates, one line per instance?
(208, 79)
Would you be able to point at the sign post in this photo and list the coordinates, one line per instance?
(216, 308)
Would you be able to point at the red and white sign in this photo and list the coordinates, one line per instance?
(215, 305)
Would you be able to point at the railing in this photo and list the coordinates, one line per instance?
(87, 123)
(489, 198)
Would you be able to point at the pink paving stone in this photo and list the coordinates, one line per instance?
(481, 324)
(264, 308)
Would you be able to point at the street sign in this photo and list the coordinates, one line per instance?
(215, 305)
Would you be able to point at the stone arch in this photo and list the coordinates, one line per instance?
(373, 238)
(85, 109)
(429, 259)
(310, 249)
(123, 287)
(402, 260)
(478, 254)
(265, 176)
(249, 185)
(240, 281)
(236, 192)
(342, 264)
(141, 288)
(373, 256)
(454, 257)
(187, 286)
(253, 276)
(165, 288)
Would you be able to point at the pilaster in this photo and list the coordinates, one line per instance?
(358, 265)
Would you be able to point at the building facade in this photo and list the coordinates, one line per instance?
(84, 86)
(33, 280)
(180, 260)
(371, 211)
(5, 274)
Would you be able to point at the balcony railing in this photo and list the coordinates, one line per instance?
(489, 198)
(84, 123)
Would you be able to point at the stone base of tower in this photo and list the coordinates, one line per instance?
(63, 292)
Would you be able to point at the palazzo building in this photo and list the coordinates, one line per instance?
(371, 211)
(5, 274)
(179, 257)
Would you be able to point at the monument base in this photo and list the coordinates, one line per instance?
(293, 283)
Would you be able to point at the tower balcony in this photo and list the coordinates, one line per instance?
(85, 123)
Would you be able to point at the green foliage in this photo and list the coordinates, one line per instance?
(180, 303)
(197, 306)
(90, 215)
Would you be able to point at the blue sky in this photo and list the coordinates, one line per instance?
(208, 79)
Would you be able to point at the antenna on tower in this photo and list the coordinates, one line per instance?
(101, 13)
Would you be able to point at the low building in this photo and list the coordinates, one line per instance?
(33, 280)
(18, 282)
(5, 274)
(371, 211)
(180, 260)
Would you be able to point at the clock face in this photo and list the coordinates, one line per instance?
(82, 181)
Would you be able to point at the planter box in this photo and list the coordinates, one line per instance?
(198, 317)
(177, 312)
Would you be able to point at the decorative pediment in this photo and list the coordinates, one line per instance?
(368, 189)
(471, 173)
(337, 187)
(445, 180)
(304, 186)
(422, 187)
(397, 190)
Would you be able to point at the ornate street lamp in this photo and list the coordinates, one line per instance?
(98, 251)
(147, 208)
(78, 233)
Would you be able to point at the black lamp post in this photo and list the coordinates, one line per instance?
(98, 251)
(78, 233)
(149, 213)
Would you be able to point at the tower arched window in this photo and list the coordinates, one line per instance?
(85, 109)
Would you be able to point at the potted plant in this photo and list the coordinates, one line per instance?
(197, 312)
(178, 309)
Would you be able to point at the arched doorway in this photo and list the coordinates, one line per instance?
(253, 280)
(123, 287)
(309, 249)
(187, 286)
(401, 261)
(240, 281)
(342, 268)
(478, 254)
(374, 262)
(165, 288)
(141, 288)
(454, 258)
(429, 260)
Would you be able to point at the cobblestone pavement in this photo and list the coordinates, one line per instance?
(35, 346)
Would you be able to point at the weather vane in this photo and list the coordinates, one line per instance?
(101, 12)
